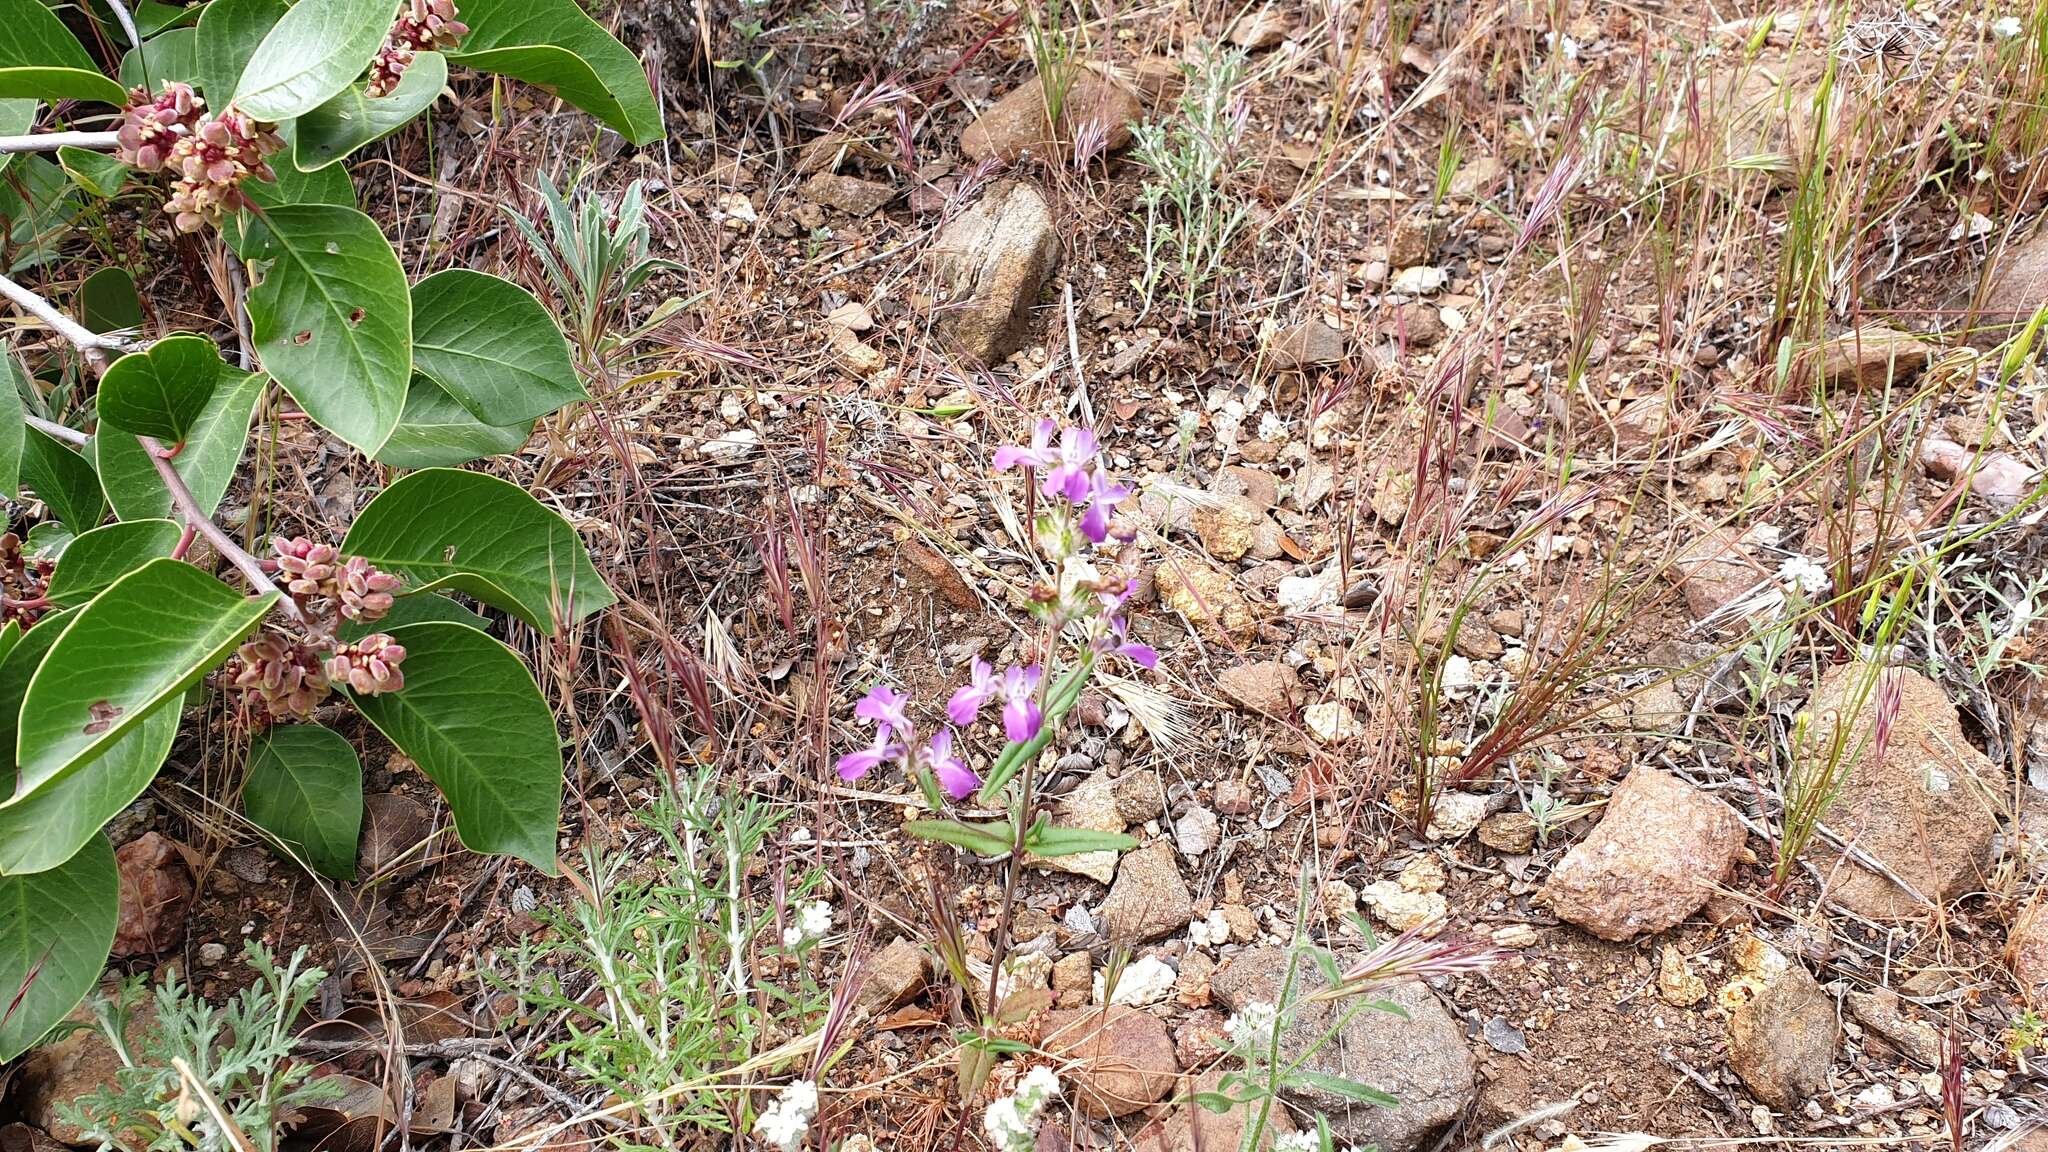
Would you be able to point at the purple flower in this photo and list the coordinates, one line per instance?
(1068, 475)
(1103, 497)
(1039, 455)
(1142, 655)
(967, 700)
(886, 709)
(855, 765)
(954, 775)
(1021, 718)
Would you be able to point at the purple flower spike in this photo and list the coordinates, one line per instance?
(1039, 455)
(1021, 718)
(855, 765)
(1068, 475)
(1143, 655)
(954, 775)
(968, 699)
(886, 709)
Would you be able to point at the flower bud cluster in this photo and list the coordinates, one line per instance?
(210, 164)
(151, 125)
(289, 675)
(422, 26)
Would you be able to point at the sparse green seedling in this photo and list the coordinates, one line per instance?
(1194, 211)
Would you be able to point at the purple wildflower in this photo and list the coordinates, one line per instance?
(1021, 717)
(1068, 475)
(967, 700)
(855, 765)
(1103, 497)
(954, 775)
(886, 709)
(1039, 455)
(1143, 655)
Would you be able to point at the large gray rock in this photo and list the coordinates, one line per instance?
(1653, 859)
(1422, 1060)
(992, 259)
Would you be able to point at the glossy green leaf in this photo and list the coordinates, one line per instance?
(491, 345)
(13, 433)
(47, 540)
(62, 479)
(96, 172)
(229, 31)
(305, 787)
(472, 718)
(15, 673)
(478, 534)
(162, 391)
(354, 118)
(38, 201)
(16, 118)
(207, 464)
(41, 60)
(95, 559)
(1052, 840)
(318, 48)
(56, 928)
(990, 839)
(153, 16)
(552, 44)
(47, 828)
(134, 649)
(332, 320)
(167, 56)
(414, 610)
(436, 432)
(108, 301)
(248, 236)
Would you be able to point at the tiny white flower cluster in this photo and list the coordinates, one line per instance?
(1297, 1142)
(1804, 574)
(813, 921)
(784, 1123)
(2006, 27)
(1012, 1122)
(1253, 1024)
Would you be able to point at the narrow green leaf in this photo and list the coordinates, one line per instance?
(1055, 841)
(414, 610)
(478, 534)
(95, 559)
(163, 390)
(229, 31)
(96, 172)
(108, 302)
(134, 649)
(62, 479)
(312, 53)
(13, 431)
(552, 44)
(207, 464)
(49, 827)
(41, 60)
(982, 839)
(492, 346)
(305, 787)
(472, 718)
(354, 118)
(1305, 1078)
(167, 56)
(436, 432)
(56, 928)
(332, 319)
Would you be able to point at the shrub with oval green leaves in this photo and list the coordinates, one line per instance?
(230, 121)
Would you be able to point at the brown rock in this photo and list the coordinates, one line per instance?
(1091, 805)
(1228, 525)
(1194, 1128)
(1308, 344)
(1714, 571)
(1206, 596)
(1253, 484)
(63, 1070)
(1882, 1012)
(1198, 1038)
(2001, 478)
(156, 892)
(1073, 980)
(1244, 926)
(928, 567)
(1116, 1060)
(992, 260)
(1475, 641)
(1266, 686)
(1511, 832)
(1652, 860)
(2019, 286)
(891, 977)
(1873, 356)
(848, 195)
(1921, 808)
(1233, 797)
(1191, 983)
(1420, 325)
(1782, 1041)
(1763, 111)
(1016, 125)
(1421, 1058)
(1408, 242)
(1138, 796)
(2026, 947)
(22, 1138)
(1260, 30)
(1149, 899)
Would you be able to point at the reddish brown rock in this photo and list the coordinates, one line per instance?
(1206, 596)
(1194, 1128)
(1116, 1060)
(2019, 286)
(63, 1070)
(1016, 124)
(1714, 571)
(2026, 947)
(1266, 686)
(156, 891)
(1873, 356)
(1653, 859)
(1149, 899)
(1921, 807)
(851, 196)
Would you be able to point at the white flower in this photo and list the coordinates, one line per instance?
(2006, 27)
(784, 1122)
(1006, 1126)
(813, 921)
(1040, 1085)
(1805, 574)
(802, 1096)
(1253, 1024)
(1296, 1142)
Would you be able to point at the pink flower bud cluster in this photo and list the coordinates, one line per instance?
(422, 26)
(150, 126)
(369, 666)
(211, 162)
(315, 571)
(283, 674)
(289, 675)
